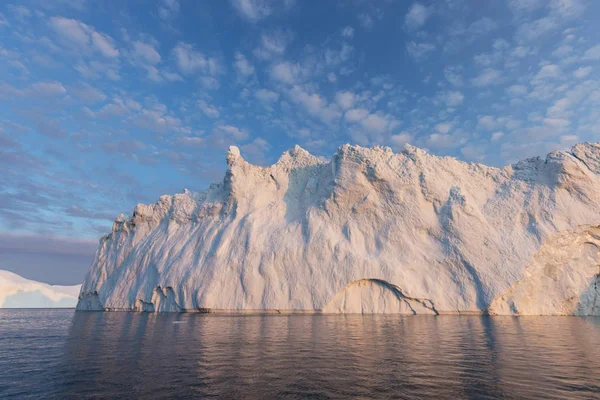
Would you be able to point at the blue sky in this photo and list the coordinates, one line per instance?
(108, 104)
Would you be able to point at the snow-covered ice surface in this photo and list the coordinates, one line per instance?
(368, 231)
(18, 292)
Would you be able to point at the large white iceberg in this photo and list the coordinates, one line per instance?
(18, 292)
(369, 231)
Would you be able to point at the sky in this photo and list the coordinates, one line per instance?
(107, 104)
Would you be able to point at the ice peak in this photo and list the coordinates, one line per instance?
(233, 153)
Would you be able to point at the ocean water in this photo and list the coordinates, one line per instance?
(63, 354)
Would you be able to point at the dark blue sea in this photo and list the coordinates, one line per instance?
(67, 355)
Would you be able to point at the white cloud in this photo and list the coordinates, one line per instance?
(441, 140)
(496, 136)
(453, 75)
(104, 44)
(549, 71)
(443, 127)
(521, 52)
(487, 122)
(168, 9)
(345, 99)
(192, 141)
(417, 16)
(488, 77)
(399, 140)
(272, 45)
(242, 65)
(208, 109)
(156, 75)
(560, 107)
(562, 51)
(190, 60)
(487, 59)
(209, 82)
(451, 98)
(501, 44)
(348, 32)
(71, 30)
(286, 72)
(253, 10)
(334, 57)
(266, 96)
(78, 34)
(255, 150)
(567, 8)
(482, 27)
(530, 31)
(371, 124)
(365, 20)
(569, 140)
(517, 90)
(582, 72)
(356, 114)
(375, 123)
(87, 93)
(145, 53)
(419, 50)
(557, 123)
(474, 153)
(48, 89)
(158, 121)
(525, 5)
(315, 105)
(231, 131)
(3, 21)
(20, 12)
(95, 69)
(592, 53)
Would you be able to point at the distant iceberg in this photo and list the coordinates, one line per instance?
(18, 292)
(370, 231)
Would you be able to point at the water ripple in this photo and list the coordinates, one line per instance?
(62, 354)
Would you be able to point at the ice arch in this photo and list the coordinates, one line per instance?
(376, 296)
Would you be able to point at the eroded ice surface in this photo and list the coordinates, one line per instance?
(339, 236)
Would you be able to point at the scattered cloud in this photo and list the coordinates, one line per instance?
(345, 99)
(487, 77)
(242, 65)
(208, 109)
(191, 61)
(451, 98)
(266, 96)
(419, 51)
(272, 44)
(286, 72)
(348, 32)
(168, 10)
(482, 27)
(145, 53)
(82, 36)
(416, 17)
(593, 53)
(256, 10)
(549, 71)
(582, 72)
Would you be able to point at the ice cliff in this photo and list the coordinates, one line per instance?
(18, 292)
(369, 231)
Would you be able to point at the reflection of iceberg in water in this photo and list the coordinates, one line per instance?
(268, 356)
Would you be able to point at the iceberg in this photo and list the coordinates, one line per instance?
(18, 292)
(369, 231)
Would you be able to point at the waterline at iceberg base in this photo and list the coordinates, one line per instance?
(369, 231)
